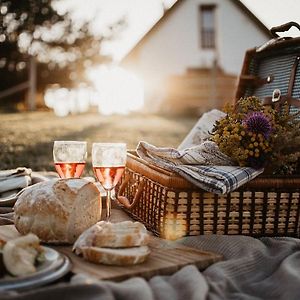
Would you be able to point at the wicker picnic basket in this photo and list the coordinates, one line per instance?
(171, 207)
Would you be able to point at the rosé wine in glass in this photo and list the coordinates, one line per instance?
(69, 170)
(109, 161)
(69, 158)
(109, 176)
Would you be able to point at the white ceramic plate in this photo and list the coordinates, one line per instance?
(54, 267)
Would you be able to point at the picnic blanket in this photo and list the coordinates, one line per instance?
(253, 269)
(14, 179)
(201, 131)
(203, 165)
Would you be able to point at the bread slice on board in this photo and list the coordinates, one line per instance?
(113, 235)
(121, 256)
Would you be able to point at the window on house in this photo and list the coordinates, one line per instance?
(207, 23)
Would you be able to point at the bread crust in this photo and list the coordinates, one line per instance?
(120, 257)
(113, 235)
(58, 211)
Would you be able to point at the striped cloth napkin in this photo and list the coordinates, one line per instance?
(14, 179)
(203, 165)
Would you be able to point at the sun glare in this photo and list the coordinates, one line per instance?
(116, 91)
(69, 101)
(119, 90)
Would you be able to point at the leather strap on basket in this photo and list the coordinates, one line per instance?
(283, 28)
(256, 81)
(288, 97)
(124, 200)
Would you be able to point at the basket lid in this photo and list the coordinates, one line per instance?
(160, 175)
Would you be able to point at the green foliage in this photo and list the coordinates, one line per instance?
(260, 136)
(64, 48)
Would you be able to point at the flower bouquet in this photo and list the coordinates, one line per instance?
(260, 136)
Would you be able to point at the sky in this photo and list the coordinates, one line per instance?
(141, 15)
(276, 12)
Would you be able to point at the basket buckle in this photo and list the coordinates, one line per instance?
(276, 95)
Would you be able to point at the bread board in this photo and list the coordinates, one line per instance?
(166, 258)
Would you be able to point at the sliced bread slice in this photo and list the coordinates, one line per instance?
(121, 257)
(7, 233)
(113, 235)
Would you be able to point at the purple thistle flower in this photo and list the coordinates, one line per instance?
(258, 122)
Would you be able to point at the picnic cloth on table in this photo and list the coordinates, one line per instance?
(203, 165)
(202, 129)
(6, 216)
(14, 179)
(253, 269)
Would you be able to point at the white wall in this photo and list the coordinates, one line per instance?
(237, 33)
(175, 46)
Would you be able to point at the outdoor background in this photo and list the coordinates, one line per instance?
(27, 139)
(61, 73)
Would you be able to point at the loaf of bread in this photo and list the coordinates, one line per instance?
(113, 235)
(58, 211)
(120, 256)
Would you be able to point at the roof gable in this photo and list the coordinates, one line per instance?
(175, 6)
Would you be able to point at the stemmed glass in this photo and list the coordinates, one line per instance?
(69, 158)
(109, 161)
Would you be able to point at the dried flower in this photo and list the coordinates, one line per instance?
(258, 122)
(259, 136)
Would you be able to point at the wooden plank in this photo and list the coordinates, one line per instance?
(14, 89)
(31, 97)
(166, 258)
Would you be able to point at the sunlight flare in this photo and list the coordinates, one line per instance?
(65, 101)
(116, 91)
(119, 90)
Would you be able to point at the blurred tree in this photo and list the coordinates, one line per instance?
(62, 47)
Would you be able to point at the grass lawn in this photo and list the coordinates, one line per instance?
(26, 139)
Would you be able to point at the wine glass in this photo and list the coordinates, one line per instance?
(109, 161)
(69, 158)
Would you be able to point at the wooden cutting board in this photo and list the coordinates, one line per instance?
(166, 258)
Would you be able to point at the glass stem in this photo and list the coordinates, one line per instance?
(108, 205)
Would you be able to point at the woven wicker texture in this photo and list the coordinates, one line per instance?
(264, 207)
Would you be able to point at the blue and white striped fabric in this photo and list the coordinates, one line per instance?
(203, 165)
(217, 179)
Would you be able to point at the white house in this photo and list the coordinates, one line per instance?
(194, 53)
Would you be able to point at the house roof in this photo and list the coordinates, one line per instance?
(165, 16)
